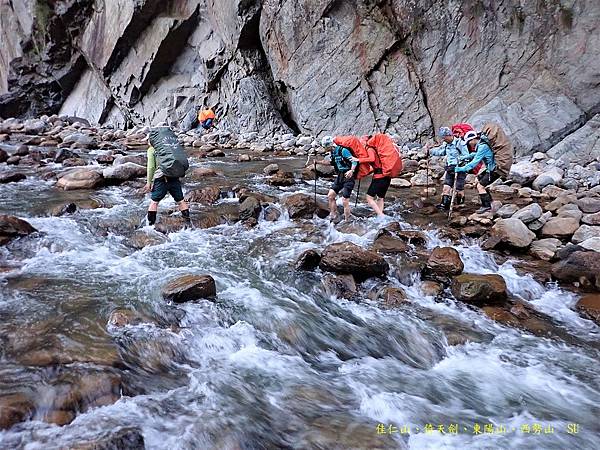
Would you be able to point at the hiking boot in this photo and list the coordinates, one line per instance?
(460, 199)
(445, 205)
(486, 203)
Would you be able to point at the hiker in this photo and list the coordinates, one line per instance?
(487, 175)
(345, 165)
(384, 158)
(165, 157)
(455, 151)
(206, 118)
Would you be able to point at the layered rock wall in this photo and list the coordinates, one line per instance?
(313, 66)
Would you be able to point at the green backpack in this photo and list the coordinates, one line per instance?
(170, 156)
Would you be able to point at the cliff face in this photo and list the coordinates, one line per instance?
(315, 66)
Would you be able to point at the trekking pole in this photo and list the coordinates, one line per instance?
(357, 193)
(427, 174)
(453, 197)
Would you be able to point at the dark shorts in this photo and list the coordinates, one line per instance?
(344, 185)
(163, 185)
(207, 124)
(460, 178)
(487, 178)
(379, 187)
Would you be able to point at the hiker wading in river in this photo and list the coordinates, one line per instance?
(455, 151)
(345, 165)
(167, 163)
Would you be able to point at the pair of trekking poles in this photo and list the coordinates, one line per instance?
(315, 170)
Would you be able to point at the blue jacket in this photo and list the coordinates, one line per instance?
(341, 159)
(454, 152)
(484, 153)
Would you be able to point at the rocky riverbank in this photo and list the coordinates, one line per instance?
(63, 171)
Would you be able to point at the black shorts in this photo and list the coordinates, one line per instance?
(163, 185)
(379, 187)
(343, 184)
(460, 178)
(487, 178)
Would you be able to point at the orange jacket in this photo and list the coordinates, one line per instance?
(206, 114)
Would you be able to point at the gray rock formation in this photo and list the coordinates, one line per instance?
(313, 66)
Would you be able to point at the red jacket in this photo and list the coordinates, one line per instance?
(375, 163)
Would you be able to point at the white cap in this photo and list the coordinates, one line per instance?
(470, 136)
(327, 141)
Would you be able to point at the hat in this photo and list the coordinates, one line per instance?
(327, 141)
(445, 131)
(470, 135)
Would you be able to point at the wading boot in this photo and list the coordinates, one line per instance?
(445, 205)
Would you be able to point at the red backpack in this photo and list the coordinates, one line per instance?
(358, 150)
(388, 153)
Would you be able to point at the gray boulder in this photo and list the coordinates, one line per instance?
(584, 233)
(529, 213)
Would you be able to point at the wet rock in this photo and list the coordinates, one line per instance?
(124, 439)
(250, 208)
(308, 260)
(142, 239)
(431, 288)
(588, 306)
(64, 154)
(140, 160)
(579, 267)
(387, 243)
(393, 297)
(3, 156)
(272, 214)
(11, 178)
(15, 408)
(80, 179)
(415, 237)
(507, 211)
(592, 244)
(529, 213)
(589, 205)
(124, 172)
(560, 227)
(13, 160)
(12, 227)
(511, 232)
(63, 210)
(205, 196)
(22, 150)
(190, 287)
(173, 224)
(348, 258)
(545, 248)
(478, 289)
(200, 173)
(122, 317)
(445, 261)
(271, 169)
(216, 154)
(105, 159)
(585, 232)
(282, 179)
(341, 286)
(302, 206)
(74, 162)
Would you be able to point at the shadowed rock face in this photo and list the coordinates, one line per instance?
(346, 66)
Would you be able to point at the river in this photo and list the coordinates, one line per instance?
(274, 362)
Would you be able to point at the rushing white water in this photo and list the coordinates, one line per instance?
(275, 362)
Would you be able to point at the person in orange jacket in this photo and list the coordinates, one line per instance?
(380, 183)
(206, 118)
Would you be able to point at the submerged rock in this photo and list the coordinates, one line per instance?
(341, 286)
(12, 227)
(478, 289)
(15, 408)
(386, 242)
(348, 258)
(302, 206)
(190, 287)
(589, 306)
(393, 297)
(11, 178)
(308, 260)
(142, 239)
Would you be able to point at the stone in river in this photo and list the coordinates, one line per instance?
(349, 258)
(479, 289)
(190, 287)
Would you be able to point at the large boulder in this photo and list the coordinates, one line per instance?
(511, 232)
(445, 261)
(579, 266)
(524, 172)
(529, 213)
(386, 242)
(80, 179)
(6, 178)
(591, 219)
(589, 306)
(190, 287)
(15, 408)
(250, 208)
(548, 178)
(592, 244)
(507, 211)
(589, 205)
(560, 227)
(545, 248)
(12, 227)
(478, 289)
(303, 206)
(348, 258)
(124, 172)
(585, 232)
(308, 260)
